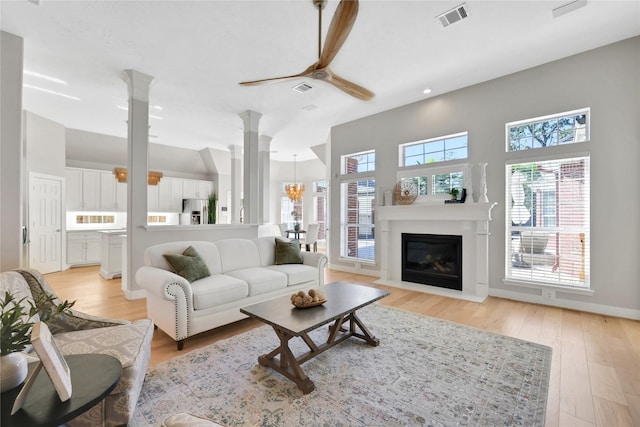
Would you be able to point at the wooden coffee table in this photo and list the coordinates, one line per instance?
(343, 300)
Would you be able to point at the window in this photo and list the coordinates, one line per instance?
(320, 208)
(564, 128)
(357, 231)
(357, 206)
(433, 182)
(444, 148)
(290, 212)
(548, 236)
(360, 162)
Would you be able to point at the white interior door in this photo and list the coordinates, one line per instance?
(45, 223)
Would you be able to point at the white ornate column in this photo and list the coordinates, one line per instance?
(251, 119)
(264, 158)
(236, 183)
(138, 86)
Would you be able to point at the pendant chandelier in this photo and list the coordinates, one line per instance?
(294, 191)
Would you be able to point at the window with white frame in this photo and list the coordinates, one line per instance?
(434, 150)
(548, 131)
(548, 204)
(434, 182)
(290, 211)
(357, 205)
(359, 162)
(320, 208)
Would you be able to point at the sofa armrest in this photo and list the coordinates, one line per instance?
(317, 260)
(169, 300)
(163, 283)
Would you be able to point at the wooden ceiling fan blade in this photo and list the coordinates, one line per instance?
(340, 27)
(305, 73)
(271, 80)
(349, 87)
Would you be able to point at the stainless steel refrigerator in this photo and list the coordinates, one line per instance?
(194, 212)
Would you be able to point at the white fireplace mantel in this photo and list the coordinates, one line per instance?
(436, 212)
(469, 220)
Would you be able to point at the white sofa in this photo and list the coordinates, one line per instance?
(243, 272)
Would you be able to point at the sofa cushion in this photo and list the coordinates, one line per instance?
(238, 253)
(296, 273)
(288, 252)
(216, 290)
(261, 280)
(188, 265)
(154, 255)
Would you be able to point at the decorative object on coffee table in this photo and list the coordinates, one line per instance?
(313, 298)
(405, 192)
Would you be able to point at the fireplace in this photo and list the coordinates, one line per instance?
(432, 259)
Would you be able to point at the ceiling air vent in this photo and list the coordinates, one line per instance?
(302, 87)
(454, 15)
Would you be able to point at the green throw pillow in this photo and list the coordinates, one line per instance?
(188, 265)
(288, 252)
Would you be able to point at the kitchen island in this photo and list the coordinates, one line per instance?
(111, 260)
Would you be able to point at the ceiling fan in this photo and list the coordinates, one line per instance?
(339, 29)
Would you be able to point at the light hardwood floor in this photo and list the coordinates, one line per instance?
(595, 371)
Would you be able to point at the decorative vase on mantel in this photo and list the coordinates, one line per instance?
(13, 370)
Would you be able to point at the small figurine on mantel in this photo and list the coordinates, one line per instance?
(483, 183)
(454, 194)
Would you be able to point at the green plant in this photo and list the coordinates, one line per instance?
(454, 193)
(212, 208)
(15, 329)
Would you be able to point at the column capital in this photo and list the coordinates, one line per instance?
(138, 84)
(250, 119)
(236, 151)
(264, 143)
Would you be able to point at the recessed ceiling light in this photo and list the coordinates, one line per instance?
(45, 77)
(426, 91)
(52, 92)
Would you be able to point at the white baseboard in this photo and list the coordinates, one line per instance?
(607, 310)
(137, 294)
(563, 303)
(354, 270)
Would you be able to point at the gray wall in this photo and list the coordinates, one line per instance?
(44, 145)
(608, 81)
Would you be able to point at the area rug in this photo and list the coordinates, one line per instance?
(425, 371)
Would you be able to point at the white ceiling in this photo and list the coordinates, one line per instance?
(198, 51)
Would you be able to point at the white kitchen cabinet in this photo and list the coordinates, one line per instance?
(84, 188)
(83, 248)
(170, 195)
(73, 189)
(108, 192)
(91, 190)
(121, 196)
(196, 189)
(152, 198)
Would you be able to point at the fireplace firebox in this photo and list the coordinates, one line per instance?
(432, 259)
